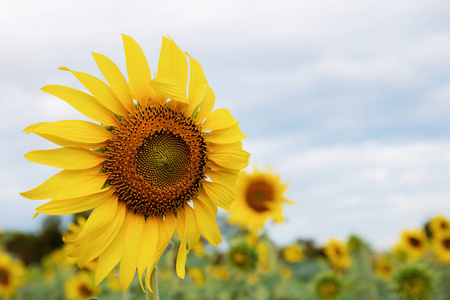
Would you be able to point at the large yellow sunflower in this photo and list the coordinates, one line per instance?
(259, 196)
(414, 243)
(12, 273)
(337, 253)
(439, 224)
(81, 286)
(160, 162)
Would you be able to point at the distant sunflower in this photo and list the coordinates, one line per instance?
(259, 196)
(12, 273)
(414, 282)
(292, 253)
(338, 255)
(384, 267)
(439, 224)
(81, 286)
(327, 286)
(441, 246)
(219, 272)
(414, 243)
(243, 258)
(152, 168)
(197, 276)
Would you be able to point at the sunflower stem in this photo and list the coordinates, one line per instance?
(154, 285)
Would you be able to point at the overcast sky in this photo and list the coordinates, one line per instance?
(348, 100)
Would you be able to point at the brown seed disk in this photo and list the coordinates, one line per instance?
(4, 276)
(156, 160)
(259, 195)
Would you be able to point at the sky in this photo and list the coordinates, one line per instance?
(349, 101)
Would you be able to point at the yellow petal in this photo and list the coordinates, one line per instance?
(75, 205)
(207, 103)
(153, 261)
(149, 241)
(68, 158)
(207, 224)
(203, 197)
(138, 70)
(72, 130)
(59, 182)
(181, 223)
(84, 103)
(229, 135)
(219, 194)
(237, 159)
(111, 256)
(101, 91)
(134, 225)
(116, 80)
(192, 231)
(169, 88)
(172, 63)
(219, 119)
(98, 221)
(197, 84)
(224, 176)
(93, 249)
(181, 259)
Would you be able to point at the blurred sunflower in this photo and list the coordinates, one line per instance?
(439, 224)
(81, 286)
(414, 282)
(243, 258)
(259, 196)
(441, 246)
(12, 273)
(197, 276)
(152, 168)
(292, 253)
(414, 243)
(338, 255)
(219, 272)
(384, 267)
(327, 286)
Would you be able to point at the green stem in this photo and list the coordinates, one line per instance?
(154, 285)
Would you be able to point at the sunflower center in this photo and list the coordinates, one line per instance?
(414, 286)
(4, 276)
(156, 160)
(259, 195)
(415, 242)
(446, 243)
(444, 225)
(84, 291)
(328, 289)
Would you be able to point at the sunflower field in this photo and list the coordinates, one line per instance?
(249, 266)
(163, 208)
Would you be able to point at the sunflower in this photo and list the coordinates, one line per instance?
(441, 246)
(384, 267)
(292, 253)
(160, 162)
(12, 273)
(81, 286)
(327, 286)
(414, 282)
(338, 255)
(439, 224)
(197, 276)
(219, 272)
(414, 243)
(259, 196)
(243, 258)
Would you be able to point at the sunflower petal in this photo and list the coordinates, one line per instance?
(72, 130)
(58, 182)
(84, 103)
(134, 225)
(149, 240)
(197, 83)
(169, 88)
(181, 259)
(218, 193)
(69, 158)
(203, 197)
(219, 119)
(192, 231)
(138, 70)
(75, 205)
(229, 135)
(172, 63)
(207, 103)
(207, 224)
(224, 176)
(237, 159)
